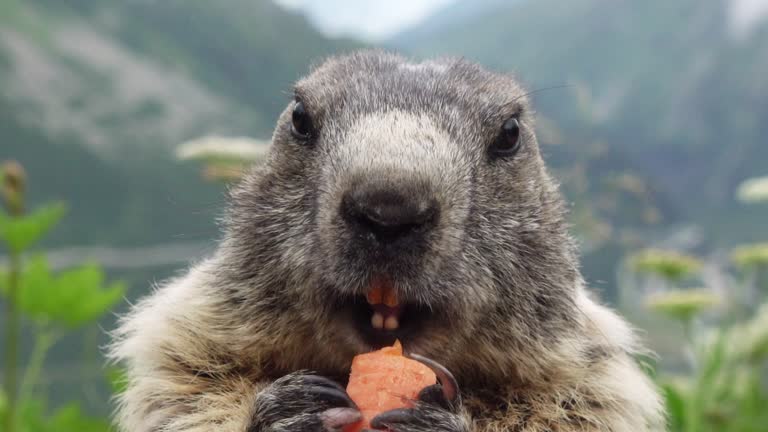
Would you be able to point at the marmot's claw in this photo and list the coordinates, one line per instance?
(301, 402)
(422, 418)
(434, 395)
(333, 397)
(448, 384)
(399, 415)
(322, 382)
(336, 418)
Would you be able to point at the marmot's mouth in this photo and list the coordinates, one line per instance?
(381, 316)
(382, 297)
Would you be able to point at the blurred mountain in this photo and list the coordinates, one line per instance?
(651, 112)
(455, 13)
(670, 91)
(94, 94)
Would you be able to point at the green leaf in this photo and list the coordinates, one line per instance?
(3, 281)
(676, 407)
(31, 417)
(713, 362)
(80, 289)
(3, 404)
(70, 419)
(19, 233)
(37, 291)
(73, 298)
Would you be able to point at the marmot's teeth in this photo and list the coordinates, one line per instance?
(391, 323)
(377, 320)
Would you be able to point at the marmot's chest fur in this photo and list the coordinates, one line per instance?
(399, 201)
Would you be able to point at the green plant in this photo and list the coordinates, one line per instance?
(682, 305)
(671, 266)
(51, 303)
(752, 261)
(723, 388)
(725, 391)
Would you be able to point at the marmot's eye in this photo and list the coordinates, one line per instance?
(301, 124)
(508, 141)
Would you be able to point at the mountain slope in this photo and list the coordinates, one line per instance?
(94, 94)
(454, 13)
(664, 83)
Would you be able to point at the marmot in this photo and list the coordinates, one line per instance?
(426, 179)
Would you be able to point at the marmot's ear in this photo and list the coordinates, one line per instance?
(224, 157)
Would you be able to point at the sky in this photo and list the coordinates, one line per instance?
(356, 17)
(376, 20)
(745, 14)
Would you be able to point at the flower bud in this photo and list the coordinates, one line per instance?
(12, 187)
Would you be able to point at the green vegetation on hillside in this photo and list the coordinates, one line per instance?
(244, 53)
(45, 303)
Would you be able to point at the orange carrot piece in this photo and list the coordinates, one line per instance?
(384, 380)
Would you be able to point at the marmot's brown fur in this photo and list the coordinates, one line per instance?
(425, 178)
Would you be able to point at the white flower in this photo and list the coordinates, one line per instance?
(753, 190)
(216, 148)
(749, 340)
(682, 305)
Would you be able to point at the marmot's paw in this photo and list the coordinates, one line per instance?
(438, 407)
(303, 402)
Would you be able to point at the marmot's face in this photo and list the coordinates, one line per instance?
(406, 201)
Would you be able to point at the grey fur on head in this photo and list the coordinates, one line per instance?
(488, 268)
(499, 267)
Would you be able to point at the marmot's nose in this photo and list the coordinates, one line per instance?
(388, 215)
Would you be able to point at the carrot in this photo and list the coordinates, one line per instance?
(384, 380)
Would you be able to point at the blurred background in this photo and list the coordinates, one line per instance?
(653, 114)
